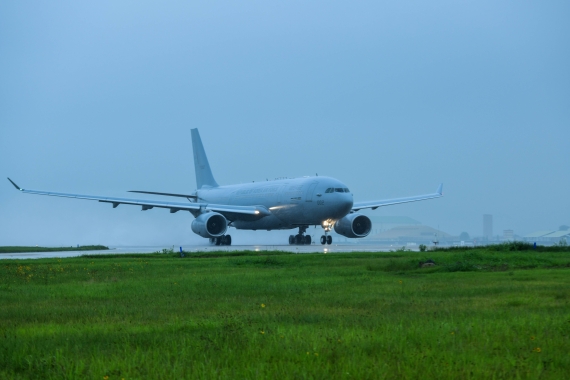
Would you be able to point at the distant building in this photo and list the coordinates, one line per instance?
(537, 236)
(508, 235)
(488, 226)
(548, 236)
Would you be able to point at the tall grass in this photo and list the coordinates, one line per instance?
(511, 246)
(474, 259)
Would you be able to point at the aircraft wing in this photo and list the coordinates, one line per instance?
(261, 211)
(387, 202)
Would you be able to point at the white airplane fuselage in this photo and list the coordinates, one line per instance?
(292, 202)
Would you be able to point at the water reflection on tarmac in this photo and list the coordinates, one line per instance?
(334, 248)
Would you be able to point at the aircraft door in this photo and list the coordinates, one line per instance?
(310, 204)
(281, 195)
(310, 191)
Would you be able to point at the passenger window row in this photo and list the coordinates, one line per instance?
(337, 190)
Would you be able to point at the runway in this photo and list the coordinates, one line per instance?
(313, 248)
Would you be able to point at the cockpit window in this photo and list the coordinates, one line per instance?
(337, 190)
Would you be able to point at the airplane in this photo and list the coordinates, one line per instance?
(282, 204)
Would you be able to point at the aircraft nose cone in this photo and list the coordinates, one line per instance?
(347, 203)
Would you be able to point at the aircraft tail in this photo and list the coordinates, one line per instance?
(204, 175)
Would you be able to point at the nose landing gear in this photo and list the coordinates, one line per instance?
(326, 238)
(300, 238)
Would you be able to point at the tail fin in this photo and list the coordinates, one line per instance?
(204, 175)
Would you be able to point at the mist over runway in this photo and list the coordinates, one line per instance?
(190, 249)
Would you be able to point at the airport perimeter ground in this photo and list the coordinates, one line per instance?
(479, 313)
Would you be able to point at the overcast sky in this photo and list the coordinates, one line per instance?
(390, 97)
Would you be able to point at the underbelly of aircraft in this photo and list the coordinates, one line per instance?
(270, 222)
(287, 217)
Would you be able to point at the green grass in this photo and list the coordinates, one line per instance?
(20, 249)
(476, 314)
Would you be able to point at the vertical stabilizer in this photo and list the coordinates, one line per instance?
(204, 175)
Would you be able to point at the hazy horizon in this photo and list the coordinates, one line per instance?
(390, 98)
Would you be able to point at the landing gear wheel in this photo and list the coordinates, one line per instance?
(291, 239)
(299, 239)
(307, 239)
(226, 240)
(218, 241)
(323, 240)
(329, 239)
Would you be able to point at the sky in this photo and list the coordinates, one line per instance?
(389, 97)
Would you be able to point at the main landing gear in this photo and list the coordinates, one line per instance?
(222, 240)
(300, 238)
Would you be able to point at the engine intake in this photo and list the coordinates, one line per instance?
(353, 226)
(210, 225)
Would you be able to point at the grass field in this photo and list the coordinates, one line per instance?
(479, 313)
(21, 249)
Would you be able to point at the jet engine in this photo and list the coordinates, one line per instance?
(353, 226)
(210, 225)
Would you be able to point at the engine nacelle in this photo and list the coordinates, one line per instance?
(210, 225)
(353, 226)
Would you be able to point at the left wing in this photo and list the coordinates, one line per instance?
(259, 211)
(386, 202)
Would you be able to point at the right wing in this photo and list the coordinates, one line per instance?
(259, 211)
(387, 202)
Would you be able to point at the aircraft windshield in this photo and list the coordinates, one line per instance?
(337, 190)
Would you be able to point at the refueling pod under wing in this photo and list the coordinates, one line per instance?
(353, 226)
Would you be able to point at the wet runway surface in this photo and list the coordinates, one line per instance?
(334, 248)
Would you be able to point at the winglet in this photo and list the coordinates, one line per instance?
(16, 186)
(440, 189)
